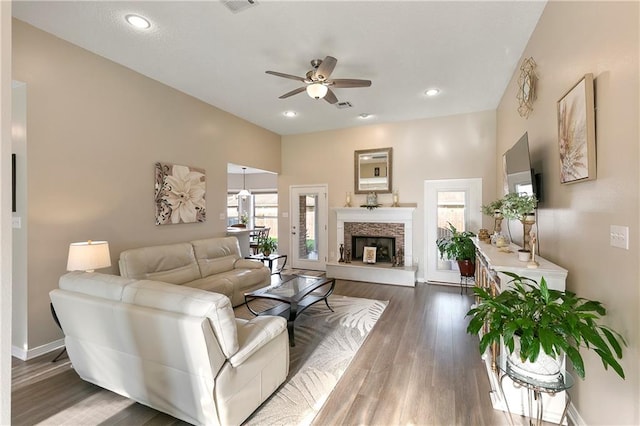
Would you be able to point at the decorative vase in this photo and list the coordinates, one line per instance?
(341, 253)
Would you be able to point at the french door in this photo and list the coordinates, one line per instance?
(455, 201)
(309, 227)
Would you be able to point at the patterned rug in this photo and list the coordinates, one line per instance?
(326, 342)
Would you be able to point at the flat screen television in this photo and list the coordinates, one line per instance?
(520, 177)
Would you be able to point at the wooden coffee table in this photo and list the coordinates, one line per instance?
(296, 292)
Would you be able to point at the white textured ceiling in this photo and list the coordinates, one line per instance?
(468, 49)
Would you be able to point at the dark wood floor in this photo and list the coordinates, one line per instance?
(417, 367)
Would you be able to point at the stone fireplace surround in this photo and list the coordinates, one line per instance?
(381, 221)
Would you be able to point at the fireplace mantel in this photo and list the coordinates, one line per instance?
(375, 273)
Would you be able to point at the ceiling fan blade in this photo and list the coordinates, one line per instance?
(330, 97)
(326, 68)
(350, 82)
(280, 74)
(293, 92)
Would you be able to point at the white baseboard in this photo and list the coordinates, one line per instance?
(35, 352)
(574, 416)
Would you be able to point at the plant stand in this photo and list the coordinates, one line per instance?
(535, 389)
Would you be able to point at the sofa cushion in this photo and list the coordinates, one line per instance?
(92, 284)
(215, 283)
(171, 263)
(189, 301)
(216, 255)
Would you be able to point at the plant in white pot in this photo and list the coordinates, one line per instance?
(545, 321)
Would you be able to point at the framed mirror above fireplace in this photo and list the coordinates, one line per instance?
(373, 170)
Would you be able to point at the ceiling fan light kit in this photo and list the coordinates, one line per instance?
(317, 81)
(317, 90)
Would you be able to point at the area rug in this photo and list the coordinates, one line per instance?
(326, 342)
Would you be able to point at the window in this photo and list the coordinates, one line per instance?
(265, 210)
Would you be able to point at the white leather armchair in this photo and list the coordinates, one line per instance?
(177, 349)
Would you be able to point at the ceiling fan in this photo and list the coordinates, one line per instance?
(317, 82)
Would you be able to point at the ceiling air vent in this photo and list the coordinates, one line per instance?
(239, 5)
(343, 105)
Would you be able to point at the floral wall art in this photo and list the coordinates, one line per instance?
(179, 194)
(576, 133)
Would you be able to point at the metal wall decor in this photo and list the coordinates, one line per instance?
(526, 87)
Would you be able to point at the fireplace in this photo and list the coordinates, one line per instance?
(386, 222)
(385, 247)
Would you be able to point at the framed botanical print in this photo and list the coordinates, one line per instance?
(576, 133)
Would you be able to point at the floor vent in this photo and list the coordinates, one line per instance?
(239, 5)
(343, 105)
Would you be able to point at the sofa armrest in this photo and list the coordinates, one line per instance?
(248, 264)
(254, 334)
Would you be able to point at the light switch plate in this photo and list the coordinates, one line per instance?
(16, 222)
(619, 236)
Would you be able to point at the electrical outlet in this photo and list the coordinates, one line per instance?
(222, 216)
(619, 236)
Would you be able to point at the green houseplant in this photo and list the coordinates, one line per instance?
(518, 206)
(267, 245)
(492, 208)
(458, 246)
(546, 320)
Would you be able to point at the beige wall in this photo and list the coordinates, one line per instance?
(5, 215)
(95, 130)
(460, 146)
(572, 39)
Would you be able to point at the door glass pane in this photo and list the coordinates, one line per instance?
(307, 237)
(451, 209)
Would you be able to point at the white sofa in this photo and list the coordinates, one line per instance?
(177, 349)
(212, 264)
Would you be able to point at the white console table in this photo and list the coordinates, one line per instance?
(491, 263)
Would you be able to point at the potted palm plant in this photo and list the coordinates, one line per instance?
(544, 321)
(458, 246)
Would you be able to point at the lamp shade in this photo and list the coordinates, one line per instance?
(244, 192)
(88, 256)
(317, 90)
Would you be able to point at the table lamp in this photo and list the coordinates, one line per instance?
(88, 256)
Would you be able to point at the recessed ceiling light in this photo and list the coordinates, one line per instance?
(138, 21)
(289, 113)
(364, 116)
(432, 92)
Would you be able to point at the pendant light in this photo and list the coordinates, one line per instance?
(244, 192)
